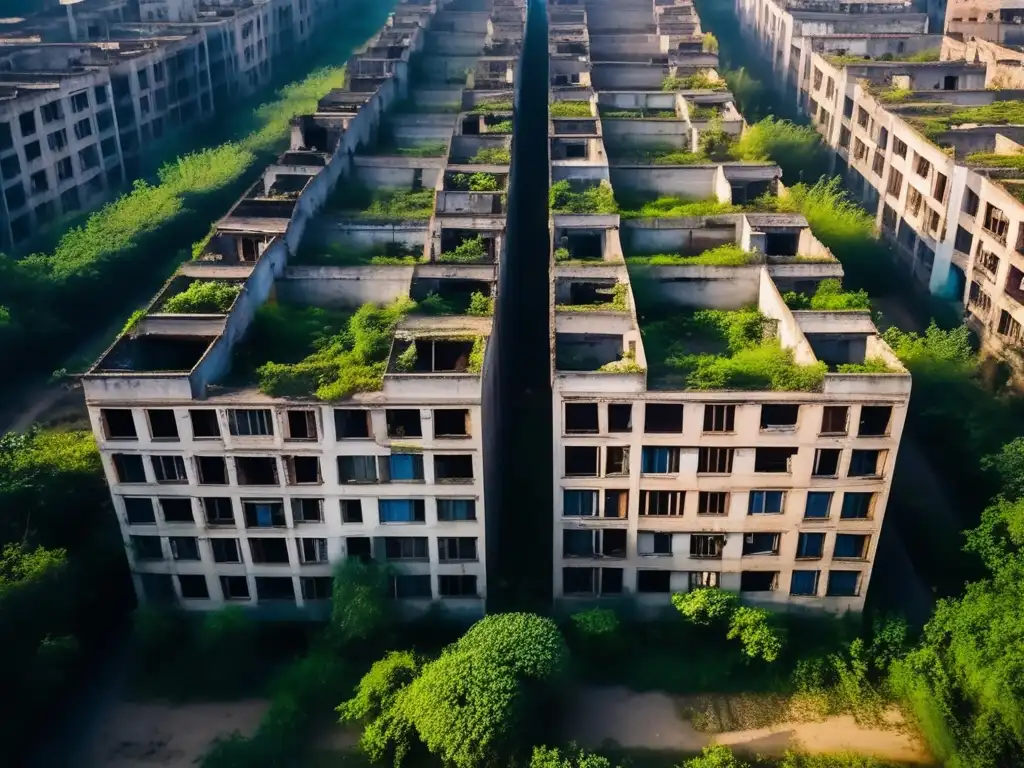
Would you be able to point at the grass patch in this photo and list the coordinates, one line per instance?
(660, 155)
(504, 126)
(383, 204)
(893, 95)
(728, 255)
(640, 113)
(337, 255)
(570, 109)
(492, 105)
(993, 160)
(870, 365)
(618, 301)
(420, 150)
(597, 199)
(471, 251)
(492, 156)
(828, 297)
(669, 207)
(213, 297)
(704, 80)
(474, 182)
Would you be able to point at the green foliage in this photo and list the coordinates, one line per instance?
(704, 80)
(754, 629)
(480, 305)
(1008, 466)
(551, 757)
(727, 255)
(668, 207)
(493, 105)
(828, 297)
(994, 160)
(435, 304)
(636, 113)
(706, 606)
(597, 199)
(203, 297)
(870, 365)
(715, 143)
(338, 255)
(503, 126)
(709, 44)
(782, 142)
(617, 301)
(626, 364)
(386, 734)
(406, 361)
(421, 150)
(469, 251)
(360, 605)
(893, 95)
(928, 54)
(570, 109)
(838, 760)
(321, 353)
(715, 756)
(562, 254)
(476, 355)
(492, 156)
(384, 204)
(474, 182)
(133, 321)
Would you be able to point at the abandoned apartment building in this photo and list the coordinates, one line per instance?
(662, 486)
(926, 130)
(85, 93)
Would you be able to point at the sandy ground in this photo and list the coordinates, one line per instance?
(651, 721)
(145, 735)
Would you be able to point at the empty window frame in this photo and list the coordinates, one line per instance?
(699, 579)
(351, 511)
(138, 510)
(234, 587)
(454, 510)
(455, 549)
(277, 588)
(453, 468)
(128, 467)
(269, 551)
(307, 511)
(408, 587)
(193, 587)
(303, 470)
(212, 470)
(147, 547)
(403, 422)
(774, 460)
(581, 461)
(264, 514)
(663, 418)
(712, 503)
(843, 584)
(251, 422)
(651, 581)
(256, 470)
(316, 587)
(759, 581)
(826, 462)
(656, 460)
(184, 547)
(661, 503)
(401, 510)
(810, 546)
(766, 503)
(804, 583)
(779, 417)
(581, 418)
(761, 543)
(818, 505)
(352, 424)
(218, 511)
(301, 425)
(162, 424)
(579, 543)
(177, 510)
(715, 461)
(358, 547)
(851, 546)
(707, 545)
(865, 463)
(719, 418)
(357, 469)
(620, 417)
(204, 423)
(616, 460)
(225, 550)
(579, 503)
(406, 548)
(451, 422)
(169, 469)
(312, 550)
(118, 424)
(616, 503)
(874, 420)
(581, 581)
(648, 543)
(456, 585)
(834, 419)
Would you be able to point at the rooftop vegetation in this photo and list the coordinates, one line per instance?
(893, 95)
(727, 255)
(947, 116)
(203, 297)
(828, 297)
(722, 349)
(474, 182)
(870, 365)
(492, 156)
(479, 305)
(338, 255)
(625, 364)
(993, 160)
(504, 126)
(702, 112)
(596, 199)
(617, 301)
(313, 352)
(420, 150)
(383, 204)
(667, 155)
(637, 113)
(570, 109)
(493, 105)
(704, 80)
(929, 54)
(670, 207)
(709, 44)
(468, 251)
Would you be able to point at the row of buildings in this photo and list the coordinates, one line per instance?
(926, 129)
(708, 431)
(88, 88)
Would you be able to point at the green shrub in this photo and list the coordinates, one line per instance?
(668, 207)
(570, 109)
(727, 255)
(480, 305)
(203, 297)
(829, 296)
(709, 44)
(339, 255)
(562, 254)
(504, 126)
(705, 606)
(782, 142)
(703, 80)
(550, 757)
(469, 251)
(492, 156)
(422, 150)
(406, 361)
(870, 365)
(493, 105)
(715, 756)
(476, 355)
(398, 204)
(758, 637)
(597, 199)
(386, 734)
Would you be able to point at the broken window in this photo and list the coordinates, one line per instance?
(826, 462)
(401, 511)
(275, 588)
(451, 422)
(264, 514)
(458, 467)
(225, 550)
(865, 463)
(169, 469)
(406, 587)
(147, 548)
(184, 547)
(857, 506)
(648, 543)
(579, 581)
(162, 424)
(616, 460)
(699, 579)
(303, 470)
(818, 504)
(358, 547)
(256, 470)
(650, 581)
(766, 502)
(357, 469)
(213, 470)
(403, 422)
(874, 420)
(843, 583)
(350, 423)
(177, 510)
(452, 510)
(804, 583)
(269, 551)
(352, 511)
(620, 417)
(705, 545)
(250, 422)
(580, 461)
(452, 549)
(663, 418)
(661, 502)
(659, 460)
(450, 585)
(316, 587)
(714, 461)
(204, 423)
(128, 467)
(578, 543)
(761, 544)
(777, 460)
(611, 581)
(580, 418)
(312, 550)
(712, 503)
(576, 503)
(193, 587)
(719, 418)
(759, 581)
(307, 511)
(779, 417)
(850, 546)
(834, 419)
(613, 542)
(118, 424)
(234, 587)
(616, 503)
(138, 510)
(301, 425)
(406, 548)
(810, 546)
(218, 511)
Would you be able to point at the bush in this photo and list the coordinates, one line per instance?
(570, 109)
(789, 145)
(597, 632)
(492, 156)
(668, 207)
(469, 251)
(360, 604)
(753, 628)
(715, 756)
(203, 297)
(386, 734)
(829, 297)
(480, 305)
(597, 199)
(706, 606)
(550, 757)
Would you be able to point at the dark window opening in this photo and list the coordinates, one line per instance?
(451, 422)
(177, 510)
(616, 503)
(193, 587)
(351, 511)
(358, 547)
(264, 514)
(777, 460)
(256, 470)
(620, 417)
(779, 416)
(719, 418)
(456, 586)
(213, 470)
(856, 506)
(616, 460)
(864, 463)
(648, 581)
(129, 468)
(758, 581)
(350, 423)
(581, 418)
(118, 424)
(851, 546)
(660, 418)
(874, 420)
(810, 546)
(457, 467)
(162, 424)
(581, 461)
(218, 511)
(235, 587)
(269, 551)
(275, 588)
(139, 510)
(302, 425)
(761, 544)
(613, 542)
(204, 423)
(403, 422)
(834, 419)
(303, 470)
(184, 547)
(712, 503)
(716, 461)
(826, 462)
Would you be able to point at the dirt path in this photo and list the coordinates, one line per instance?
(651, 721)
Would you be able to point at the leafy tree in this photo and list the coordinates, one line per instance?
(1008, 466)
(716, 756)
(360, 608)
(753, 628)
(597, 631)
(551, 757)
(706, 606)
(387, 733)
